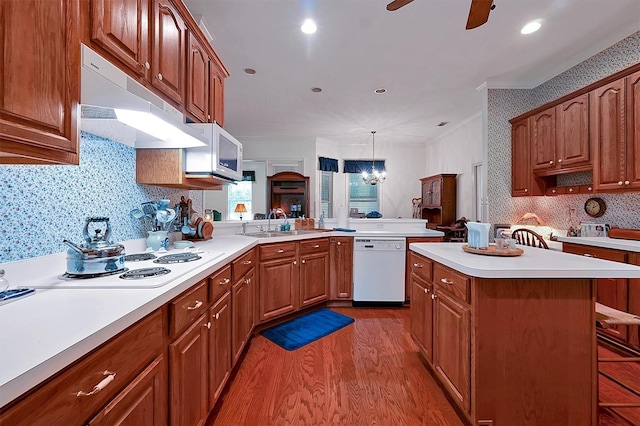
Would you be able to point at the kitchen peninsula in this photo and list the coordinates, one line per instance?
(511, 339)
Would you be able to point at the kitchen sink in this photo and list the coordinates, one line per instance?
(271, 234)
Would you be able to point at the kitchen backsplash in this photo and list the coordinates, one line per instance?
(42, 205)
(623, 210)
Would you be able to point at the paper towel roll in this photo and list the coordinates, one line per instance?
(342, 217)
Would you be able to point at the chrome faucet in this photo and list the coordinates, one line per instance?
(272, 212)
(244, 228)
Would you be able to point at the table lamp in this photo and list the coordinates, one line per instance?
(240, 208)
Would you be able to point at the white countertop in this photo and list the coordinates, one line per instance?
(605, 242)
(533, 263)
(49, 330)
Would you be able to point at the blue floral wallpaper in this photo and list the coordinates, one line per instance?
(504, 104)
(42, 205)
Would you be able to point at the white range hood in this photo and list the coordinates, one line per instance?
(116, 107)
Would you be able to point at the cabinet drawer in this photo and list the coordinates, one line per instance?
(421, 266)
(187, 307)
(278, 250)
(597, 252)
(243, 264)
(452, 282)
(113, 366)
(314, 246)
(219, 283)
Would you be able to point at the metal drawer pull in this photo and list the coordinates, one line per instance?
(159, 76)
(217, 315)
(316, 246)
(588, 255)
(339, 243)
(207, 325)
(433, 296)
(225, 281)
(426, 291)
(280, 251)
(446, 281)
(303, 261)
(417, 265)
(196, 306)
(103, 384)
(247, 262)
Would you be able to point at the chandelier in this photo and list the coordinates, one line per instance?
(375, 177)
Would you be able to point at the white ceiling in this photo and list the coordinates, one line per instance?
(430, 65)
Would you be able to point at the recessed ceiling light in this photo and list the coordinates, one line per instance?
(316, 89)
(308, 26)
(380, 91)
(531, 27)
(249, 71)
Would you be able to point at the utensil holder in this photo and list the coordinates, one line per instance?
(158, 239)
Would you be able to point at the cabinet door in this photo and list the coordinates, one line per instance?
(436, 192)
(219, 347)
(142, 402)
(216, 95)
(543, 140)
(608, 133)
(314, 278)
(633, 302)
(341, 272)
(572, 132)
(452, 346)
(39, 76)
(422, 316)
(197, 102)
(633, 132)
(168, 50)
(121, 28)
(278, 281)
(520, 159)
(188, 375)
(242, 309)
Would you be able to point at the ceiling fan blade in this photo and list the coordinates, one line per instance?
(397, 4)
(479, 13)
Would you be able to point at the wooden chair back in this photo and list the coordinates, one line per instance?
(528, 237)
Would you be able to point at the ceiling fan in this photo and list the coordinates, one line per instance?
(478, 14)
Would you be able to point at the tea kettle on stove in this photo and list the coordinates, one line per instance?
(97, 255)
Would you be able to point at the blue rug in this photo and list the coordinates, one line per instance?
(300, 331)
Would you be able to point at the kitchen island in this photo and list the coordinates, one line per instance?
(511, 339)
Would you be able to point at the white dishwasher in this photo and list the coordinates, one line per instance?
(378, 271)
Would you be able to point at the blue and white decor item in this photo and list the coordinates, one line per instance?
(478, 234)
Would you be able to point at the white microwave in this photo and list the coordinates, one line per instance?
(221, 158)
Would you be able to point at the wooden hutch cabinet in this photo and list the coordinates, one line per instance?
(288, 191)
(439, 199)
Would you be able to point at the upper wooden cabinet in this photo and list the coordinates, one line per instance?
(167, 67)
(439, 199)
(39, 82)
(205, 83)
(288, 191)
(165, 167)
(616, 134)
(560, 138)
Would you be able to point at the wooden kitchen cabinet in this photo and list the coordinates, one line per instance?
(615, 131)
(314, 271)
(39, 82)
(341, 272)
(288, 191)
(560, 138)
(165, 167)
(410, 261)
(168, 46)
(217, 74)
(279, 283)
(219, 347)
(188, 370)
(523, 182)
(422, 315)
(132, 361)
(245, 284)
(197, 101)
(439, 199)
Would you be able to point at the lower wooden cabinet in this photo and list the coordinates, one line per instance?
(278, 282)
(188, 375)
(422, 315)
(219, 347)
(242, 297)
(142, 402)
(341, 271)
(452, 345)
(314, 271)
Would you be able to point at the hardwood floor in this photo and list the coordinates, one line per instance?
(368, 373)
(629, 374)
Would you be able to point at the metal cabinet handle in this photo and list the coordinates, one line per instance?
(217, 315)
(553, 191)
(339, 243)
(103, 384)
(147, 65)
(207, 325)
(196, 306)
(551, 162)
(446, 281)
(159, 76)
(280, 251)
(225, 281)
(426, 291)
(626, 182)
(570, 189)
(560, 160)
(526, 190)
(316, 246)
(247, 280)
(247, 262)
(588, 255)
(433, 296)
(417, 265)
(620, 182)
(295, 262)
(303, 261)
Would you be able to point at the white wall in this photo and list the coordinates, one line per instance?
(455, 152)
(404, 165)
